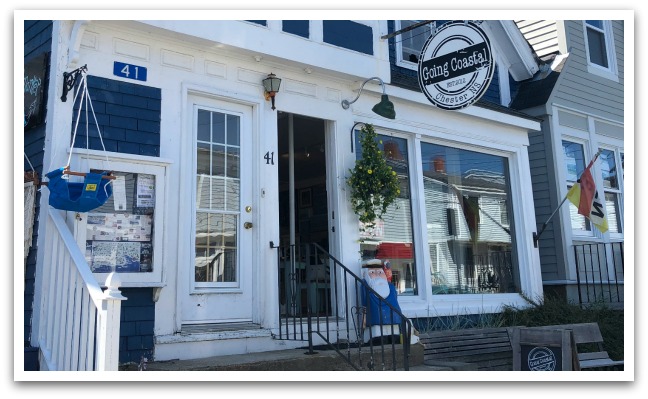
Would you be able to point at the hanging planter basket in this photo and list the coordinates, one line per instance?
(373, 183)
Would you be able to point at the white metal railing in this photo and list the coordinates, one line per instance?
(79, 328)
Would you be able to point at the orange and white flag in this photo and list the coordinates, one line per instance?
(584, 195)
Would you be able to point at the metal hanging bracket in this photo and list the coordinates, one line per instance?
(70, 79)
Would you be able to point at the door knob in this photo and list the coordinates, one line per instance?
(247, 225)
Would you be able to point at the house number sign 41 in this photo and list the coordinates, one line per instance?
(129, 71)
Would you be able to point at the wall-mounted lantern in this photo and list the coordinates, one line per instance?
(271, 87)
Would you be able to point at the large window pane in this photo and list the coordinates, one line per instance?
(468, 216)
(608, 169)
(574, 158)
(392, 240)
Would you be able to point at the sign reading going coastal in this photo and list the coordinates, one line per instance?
(456, 65)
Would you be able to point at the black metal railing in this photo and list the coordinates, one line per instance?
(324, 303)
(599, 272)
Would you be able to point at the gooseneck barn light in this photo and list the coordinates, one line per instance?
(271, 87)
(384, 108)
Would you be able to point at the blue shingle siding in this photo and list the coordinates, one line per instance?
(128, 116)
(492, 94)
(37, 40)
(136, 329)
(299, 28)
(350, 35)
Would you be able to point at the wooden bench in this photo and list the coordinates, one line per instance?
(469, 349)
(589, 334)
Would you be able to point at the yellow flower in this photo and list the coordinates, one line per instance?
(370, 171)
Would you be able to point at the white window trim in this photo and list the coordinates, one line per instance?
(446, 304)
(399, 48)
(617, 150)
(132, 164)
(612, 71)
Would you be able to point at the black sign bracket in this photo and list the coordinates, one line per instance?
(70, 79)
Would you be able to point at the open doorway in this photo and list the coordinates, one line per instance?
(303, 215)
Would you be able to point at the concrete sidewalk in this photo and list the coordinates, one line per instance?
(288, 360)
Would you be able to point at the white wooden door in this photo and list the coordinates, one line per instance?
(219, 269)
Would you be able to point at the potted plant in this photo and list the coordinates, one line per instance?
(374, 185)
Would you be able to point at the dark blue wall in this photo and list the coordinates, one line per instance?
(137, 323)
(37, 40)
(128, 115)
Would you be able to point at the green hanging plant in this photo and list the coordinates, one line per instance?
(374, 185)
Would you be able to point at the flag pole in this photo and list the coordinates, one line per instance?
(536, 236)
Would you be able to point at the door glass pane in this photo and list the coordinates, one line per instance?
(469, 218)
(233, 162)
(218, 160)
(204, 158)
(204, 129)
(217, 197)
(218, 127)
(233, 130)
(218, 194)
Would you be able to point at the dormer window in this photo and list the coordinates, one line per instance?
(410, 43)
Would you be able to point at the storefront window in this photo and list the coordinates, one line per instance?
(468, 215)
(391, 240)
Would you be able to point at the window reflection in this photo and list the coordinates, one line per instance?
(217, 197)
(391, 240)
(574, 158)
(468, 215)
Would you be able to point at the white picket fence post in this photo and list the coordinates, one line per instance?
(108, 320)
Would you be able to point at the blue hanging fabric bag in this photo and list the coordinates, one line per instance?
(84, 196)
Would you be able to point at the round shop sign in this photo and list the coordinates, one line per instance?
(456, 65)
(541, 359)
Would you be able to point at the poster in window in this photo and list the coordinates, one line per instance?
(144, 194)
(119, 235)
